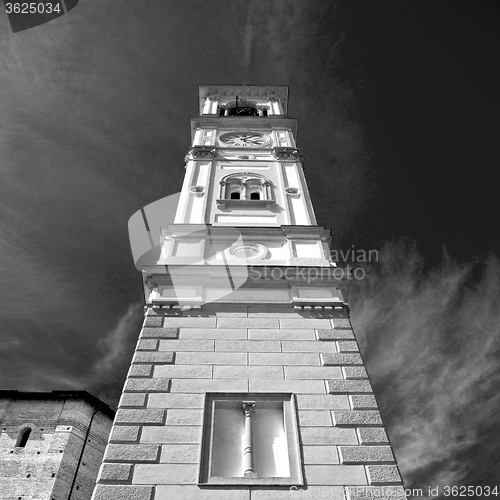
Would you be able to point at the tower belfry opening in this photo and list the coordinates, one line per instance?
(247, 381)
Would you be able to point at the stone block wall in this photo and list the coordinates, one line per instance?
(61, 455)
(154, 447)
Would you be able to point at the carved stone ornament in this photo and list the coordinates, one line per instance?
(273, 99)
(290, 154)
(212, 98)
(200, 153)
(198, 190)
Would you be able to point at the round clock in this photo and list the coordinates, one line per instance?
(244, 139)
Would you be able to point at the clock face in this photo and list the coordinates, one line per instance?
(244, 139)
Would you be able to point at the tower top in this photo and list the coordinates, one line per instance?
(244, 92)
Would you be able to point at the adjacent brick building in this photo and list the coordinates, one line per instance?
(51, 444)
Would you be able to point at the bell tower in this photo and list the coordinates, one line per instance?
(247, 382)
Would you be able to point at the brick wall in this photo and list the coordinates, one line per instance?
(155, 441)
(45, 468)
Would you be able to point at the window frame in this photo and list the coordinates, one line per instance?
(23, 437)
(291, 422)
(246, 183)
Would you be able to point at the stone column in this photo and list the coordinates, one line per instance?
(248, 409)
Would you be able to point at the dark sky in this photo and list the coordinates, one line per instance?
(398, 107)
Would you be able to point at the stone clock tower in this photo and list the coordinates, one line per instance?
(247, 382)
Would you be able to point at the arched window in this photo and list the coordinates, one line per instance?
(241, 107)
(23, 437)
(235, 190)
(254, 189)
(230, 109)
(246, 186)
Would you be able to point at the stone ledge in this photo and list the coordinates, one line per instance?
(112, 492)
(122, 433)
(347, 346)
(372, 436)
(367, 418)
(160, 333)
(134, 399)
(349, 387)
(363, 402)
(147, 345)
(341, 323)
(132, 453)
(153, 321)
(147, 385)
(341, 359)
(351, 455)
(379, 475)
(115, 472)
(148, 416)
(327, 335)
(145, 357)
(143, 371)
(354, 372)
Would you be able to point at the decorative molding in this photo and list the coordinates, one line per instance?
(286, 154)
(201, 153)
(197, 190)
(245, 203)
(248, 251)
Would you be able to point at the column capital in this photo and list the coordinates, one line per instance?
(286, 154)
(200, 153)
(248, 408)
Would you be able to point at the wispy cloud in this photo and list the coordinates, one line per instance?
(115, 347)
(248, 35)
(430, 338)
(114, 343)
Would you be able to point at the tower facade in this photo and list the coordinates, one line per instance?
(247, 382)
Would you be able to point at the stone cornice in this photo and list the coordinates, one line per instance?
(257, 276)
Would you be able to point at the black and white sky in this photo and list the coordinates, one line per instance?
(398, 106)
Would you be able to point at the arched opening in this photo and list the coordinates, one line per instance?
(23, 437)
(235, 190)
(231, 110)
(246, 186)
(255, 189)
(241, 107)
